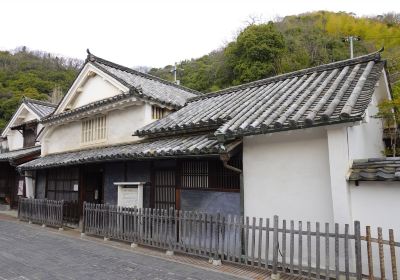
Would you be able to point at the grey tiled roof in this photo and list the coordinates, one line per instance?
(150, 87)
(327, 94)
(375, 169)
(86, 108)
(162, 148)
(16, 154)
(41, 108)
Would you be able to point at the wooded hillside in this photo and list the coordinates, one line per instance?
(33, 74)
(291, 43)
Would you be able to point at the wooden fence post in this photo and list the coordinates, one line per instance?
(275, 249)
(357, 247)
(83, 219)
(217, 259)
(19, 208)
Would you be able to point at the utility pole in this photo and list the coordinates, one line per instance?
(351, 39)
(175, 71)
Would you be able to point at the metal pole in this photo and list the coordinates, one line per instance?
(175, 73)
(351, 46)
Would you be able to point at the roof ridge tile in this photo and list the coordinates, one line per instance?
(100, 60)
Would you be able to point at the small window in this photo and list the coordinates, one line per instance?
(94, 130)
(158, 112)
(29, 134)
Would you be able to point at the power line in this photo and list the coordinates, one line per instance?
(382, 37)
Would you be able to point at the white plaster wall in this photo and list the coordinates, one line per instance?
(287, 174)
(365, 140)
(120, 126)
(15, 140)
(95, 88)
(122, 123)
(377, 204)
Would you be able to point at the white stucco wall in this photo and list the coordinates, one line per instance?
(95, 88)
(365, 140)
(120, 126)
(15, 140)
(377, 204)
(287, 174)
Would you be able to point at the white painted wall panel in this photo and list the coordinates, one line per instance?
(95, 88)
(287, 174)
(121, 124)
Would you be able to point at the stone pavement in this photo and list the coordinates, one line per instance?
(31, 252)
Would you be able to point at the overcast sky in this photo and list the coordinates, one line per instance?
(150, 32)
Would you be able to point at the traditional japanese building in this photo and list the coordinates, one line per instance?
(283, 145)
(19, 145)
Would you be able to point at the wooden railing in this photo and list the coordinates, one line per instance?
(334, 251)
(41, 211)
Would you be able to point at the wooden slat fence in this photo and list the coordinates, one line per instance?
(41, 211)
(313, 250)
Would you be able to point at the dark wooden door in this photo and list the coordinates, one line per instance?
(92, 190)
(164, 188)
(8, 187)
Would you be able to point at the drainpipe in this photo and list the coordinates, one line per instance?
(225, 158)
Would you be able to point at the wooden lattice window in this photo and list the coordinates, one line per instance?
(29, 134)
(210, 174)
(63, 184)
(195, 174)
(94, 130)
(158, 112)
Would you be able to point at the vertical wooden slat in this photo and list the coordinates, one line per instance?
(346, 252)
(337, 250)
(260, 234)
(204, 234)
(291, 247)
(309, 249)
(198, 225)
(210, 251)
(228, 241)
(246, 242)
(317, 251)
(253, 240)
(381, 254)
(357, 248)
(222, 230)
(217, 230)
(327, 255)
(393, 254)
(284, 245)
(300, 253)
(190, 228)
(275, 247)
(369, 253)
(266, 243)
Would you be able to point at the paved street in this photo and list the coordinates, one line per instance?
(29, 252)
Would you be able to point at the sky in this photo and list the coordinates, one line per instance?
(152, 32)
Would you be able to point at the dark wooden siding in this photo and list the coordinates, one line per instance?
(60, 183)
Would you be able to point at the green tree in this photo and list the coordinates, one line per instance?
(256, 53)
